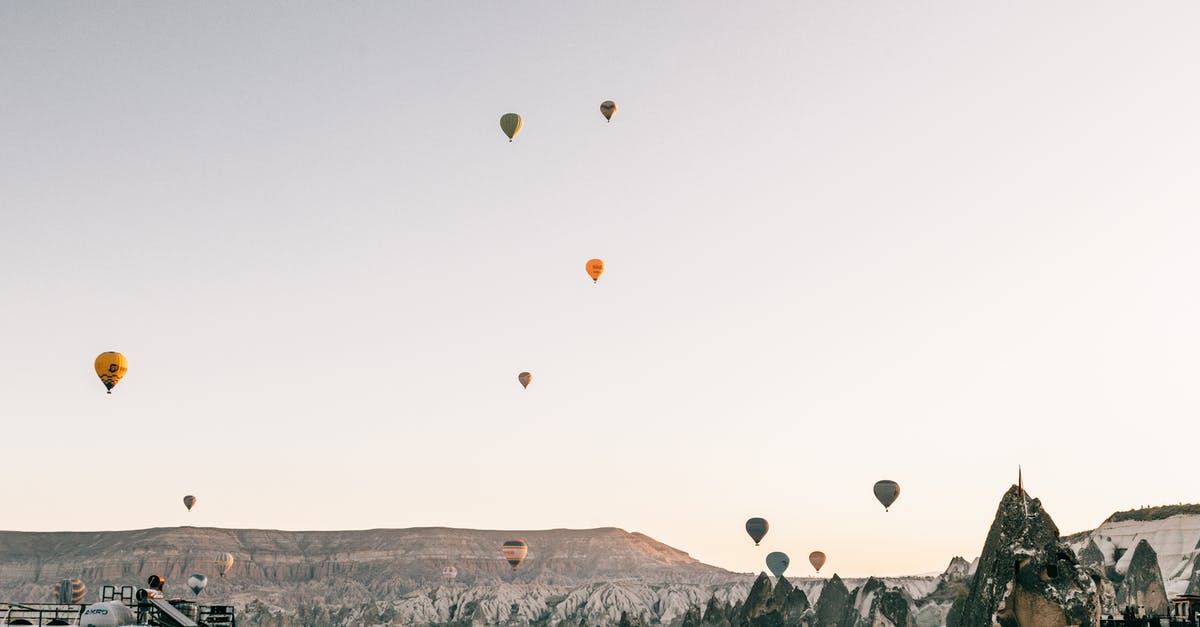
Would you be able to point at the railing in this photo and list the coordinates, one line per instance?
(41, 613)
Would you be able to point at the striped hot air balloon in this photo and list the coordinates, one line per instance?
(757, 528)
(69, 591)
(514, 552)
(224, 563)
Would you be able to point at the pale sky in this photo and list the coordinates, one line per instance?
(922, 241)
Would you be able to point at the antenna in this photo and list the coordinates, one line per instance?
(1021, 491)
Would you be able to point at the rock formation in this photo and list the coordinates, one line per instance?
(1142, 586)
(875, 605)
(1026, 576)
(833, 605)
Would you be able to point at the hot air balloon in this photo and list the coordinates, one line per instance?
(817, 559)
(757, 528)
(511, 124)
(197, 582)
(525, 378)
(69, 591)
(777, 563)
(608, 108)
(224, 563)
(189, 501)
(156, 582)
(595, 267)
(514, 551)
(887, 491)
(110, 367)
(449, 574)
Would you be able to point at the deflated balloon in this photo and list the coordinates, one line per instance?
(777, 563)
(189, 501)
(224, 563)
(69, 591)
(757, 528)
(110, 367)
(608, 108)
(197, 582)
(595, 267)
(887, 491)
(511, 124)
(817, 559)
(514, 551)
(525, 378)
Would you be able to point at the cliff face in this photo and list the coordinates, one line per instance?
(1026, 576)
(391, 558)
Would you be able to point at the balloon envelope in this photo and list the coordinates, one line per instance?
(511, 124)
(189, 502)
(514, 551)
(224, 563)
(525, 378)
(777, 562)
(110, 367)
(757, 528)
(887, 491)
(197, 582)
(608, 108)
(817, 559)
(69, 591)
(595, 267)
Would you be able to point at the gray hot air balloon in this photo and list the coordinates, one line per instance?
(887, 491)
(197, 582)
(189, 502)
(777, 563)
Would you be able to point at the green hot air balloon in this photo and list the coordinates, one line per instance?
(887, 491)
(511, 124)
(777, 563)
(757, 528)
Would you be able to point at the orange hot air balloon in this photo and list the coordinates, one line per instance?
(110, 367)
(525, 378)
(595, 267)
(817, 559)
(514, 551)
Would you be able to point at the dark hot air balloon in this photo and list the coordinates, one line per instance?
(757, 528)
(189, 502)
(887, 491)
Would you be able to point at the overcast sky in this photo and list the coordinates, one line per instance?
(922, 241)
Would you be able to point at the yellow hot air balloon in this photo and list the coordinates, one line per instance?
(224, 563)
(525, 378)
(608, 108)
(511, 124)
(594, 267)
(110, 367)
